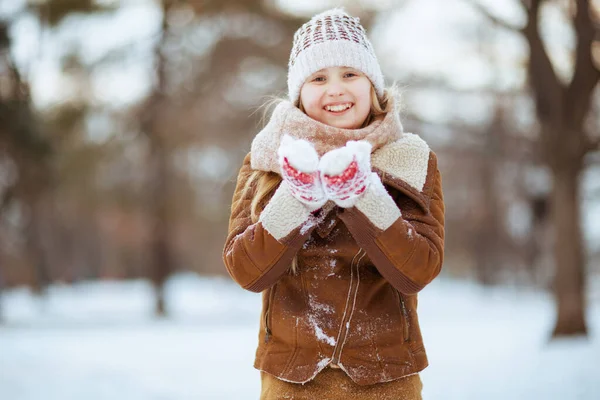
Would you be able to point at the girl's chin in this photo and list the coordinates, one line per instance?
(344, 126)
(335, 120)
(344, 123)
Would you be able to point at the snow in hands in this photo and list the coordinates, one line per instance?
(341, 175)
(346, 172)
(299, 164)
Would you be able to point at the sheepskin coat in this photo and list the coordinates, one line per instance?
(352, 302)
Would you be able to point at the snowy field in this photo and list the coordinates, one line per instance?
(98, 341)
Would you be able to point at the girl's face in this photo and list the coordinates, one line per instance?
(337, 96)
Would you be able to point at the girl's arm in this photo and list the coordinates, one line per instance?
(406, 247)
(257, 254)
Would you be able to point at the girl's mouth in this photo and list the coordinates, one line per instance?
(338, 109)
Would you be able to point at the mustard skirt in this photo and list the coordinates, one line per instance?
(334, 384)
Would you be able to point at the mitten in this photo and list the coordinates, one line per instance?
(346, 172)
(299, 163)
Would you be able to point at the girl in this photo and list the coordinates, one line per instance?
(338, 219)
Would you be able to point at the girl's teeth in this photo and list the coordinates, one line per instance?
(338, 108)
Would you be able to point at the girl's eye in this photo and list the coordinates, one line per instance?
(319, 79)
(350, 74)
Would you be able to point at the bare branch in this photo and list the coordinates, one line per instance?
(492, 18)
(586, 75)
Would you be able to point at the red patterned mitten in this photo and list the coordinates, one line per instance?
(299, 164)
(346, 172)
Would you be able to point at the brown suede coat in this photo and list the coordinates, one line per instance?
(353, 302)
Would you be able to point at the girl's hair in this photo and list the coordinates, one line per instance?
(265, 182)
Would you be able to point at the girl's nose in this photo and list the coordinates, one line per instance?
(335, 90)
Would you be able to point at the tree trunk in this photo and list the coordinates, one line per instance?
(161, 260)
(35, 249)
(561, 110)
(486, 240)
(489, 251)
(569, 278)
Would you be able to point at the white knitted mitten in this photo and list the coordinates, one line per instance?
(299, 163)
(346, 172)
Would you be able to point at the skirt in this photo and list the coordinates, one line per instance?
(334, 384)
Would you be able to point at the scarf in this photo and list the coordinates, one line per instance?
(289, 119)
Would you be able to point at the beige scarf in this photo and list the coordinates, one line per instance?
(288, 119)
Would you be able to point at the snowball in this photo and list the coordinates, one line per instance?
(300, 153)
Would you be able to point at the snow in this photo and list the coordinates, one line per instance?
(100, 341)
(319, 331)
(323, 363)
(319, 307)
(301, 154)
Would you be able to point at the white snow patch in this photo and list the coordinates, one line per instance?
(323, 363)
(315, 305)
(310, 222)
(319, 332)
(314, 220)
(301, 154)
(336, 161)
(108, 343)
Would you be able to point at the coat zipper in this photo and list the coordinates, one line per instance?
(335, 358)
(405, 323)
(268, 314)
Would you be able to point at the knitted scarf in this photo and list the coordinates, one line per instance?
(288, 119)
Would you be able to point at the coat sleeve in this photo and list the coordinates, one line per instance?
(257, 254)
(404, 234)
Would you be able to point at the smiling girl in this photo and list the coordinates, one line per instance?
(338, 219)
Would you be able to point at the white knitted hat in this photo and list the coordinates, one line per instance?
(331, 39)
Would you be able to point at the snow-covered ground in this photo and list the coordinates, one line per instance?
(99, 341)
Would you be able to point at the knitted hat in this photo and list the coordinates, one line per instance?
(331, 39)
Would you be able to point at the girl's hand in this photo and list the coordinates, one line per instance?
(299, 163)
(346, 172)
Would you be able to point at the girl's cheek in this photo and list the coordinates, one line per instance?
(308, 95)
(313, 102)
(363, 86)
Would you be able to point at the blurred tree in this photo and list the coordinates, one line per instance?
(53, 12)
(187, 111)
(161, 260)
(29, 151)
(490, 239)
(31, 144)
(565, 141)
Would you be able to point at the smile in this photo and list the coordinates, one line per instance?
(338, 108)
